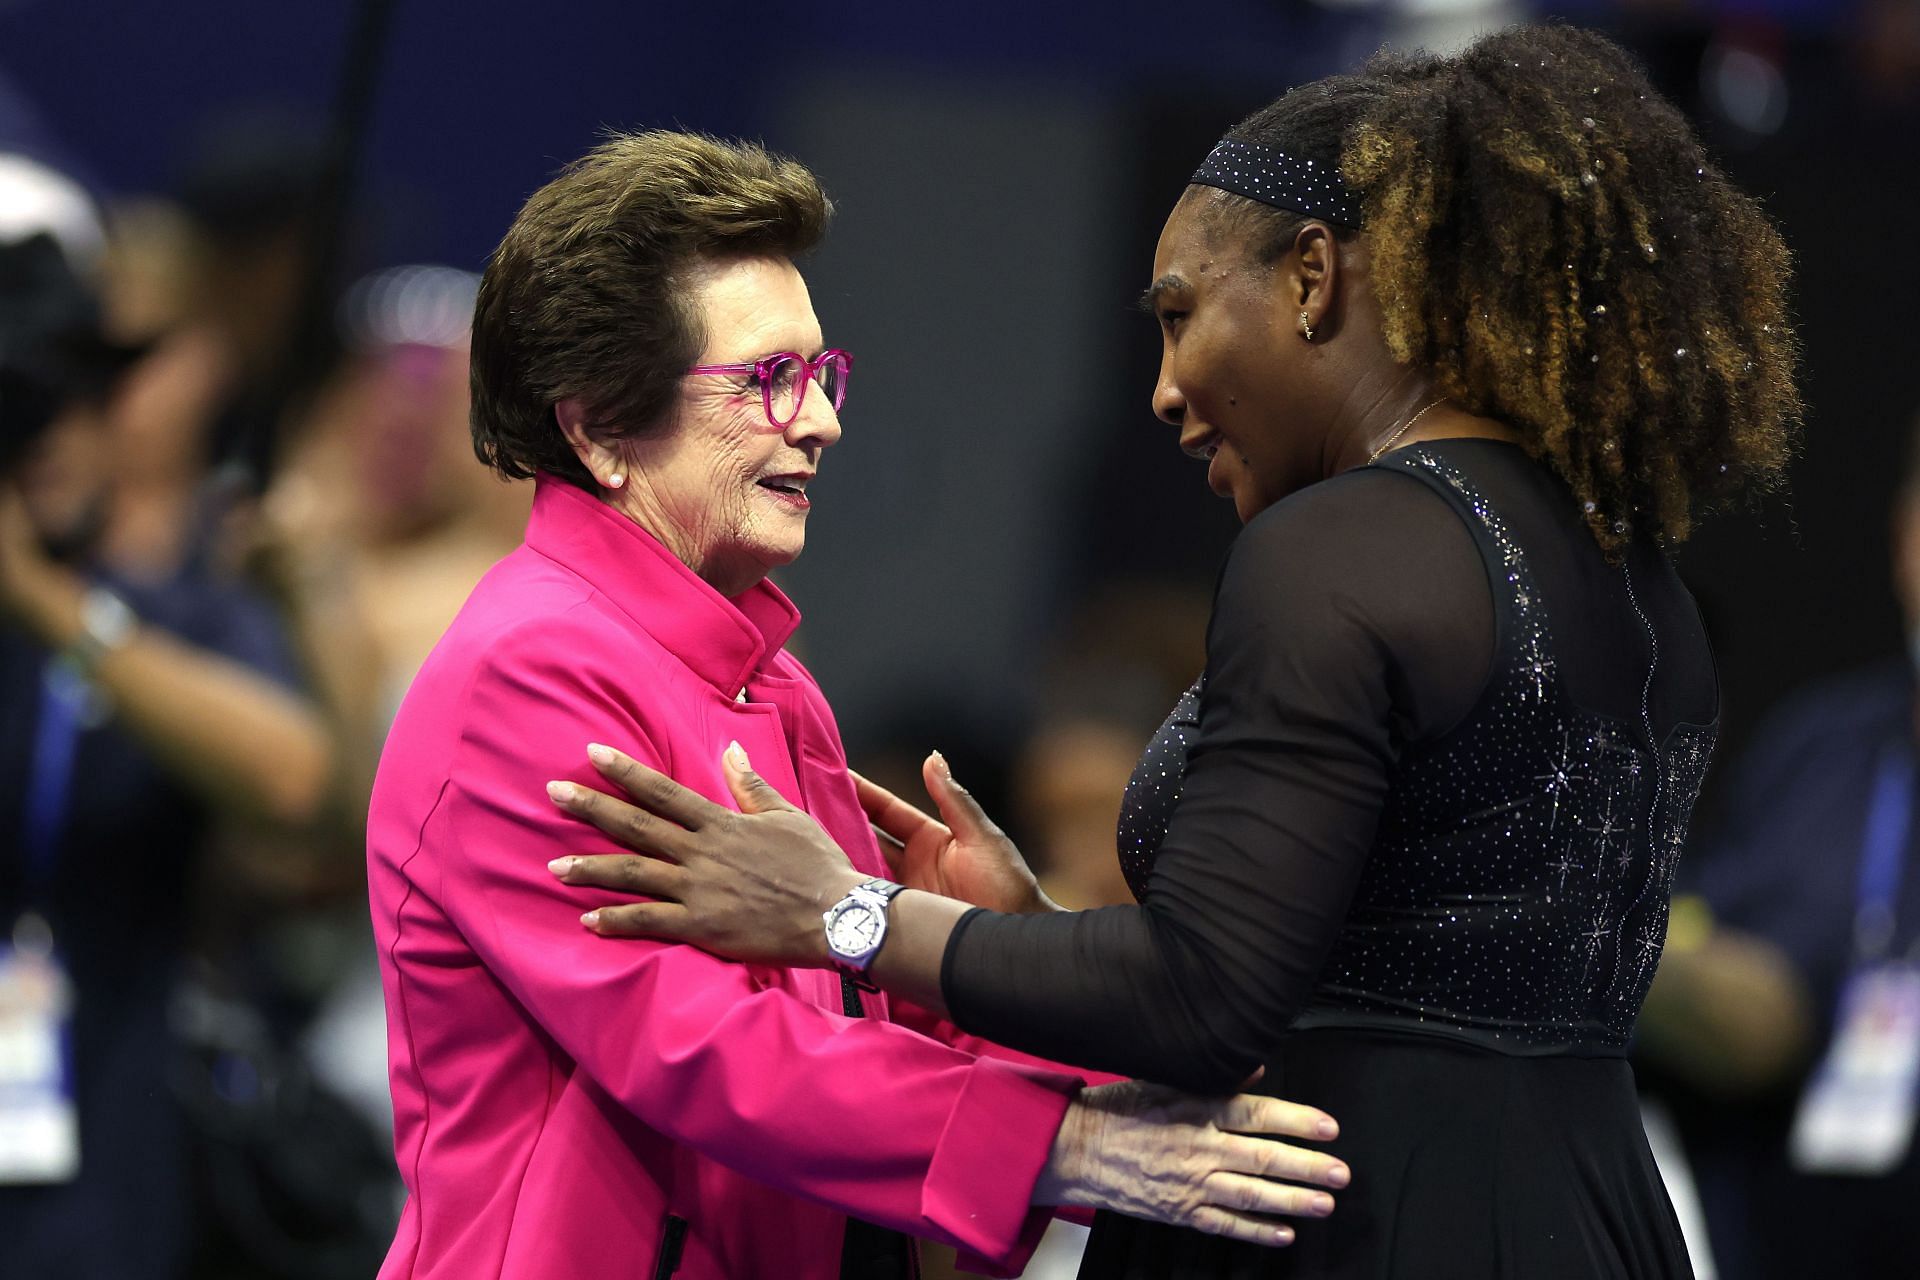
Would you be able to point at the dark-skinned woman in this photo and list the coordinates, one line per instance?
(1468, 342)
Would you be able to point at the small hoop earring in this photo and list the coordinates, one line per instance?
(1306, 328)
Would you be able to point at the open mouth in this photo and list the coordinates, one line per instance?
(790, 488)
(1201, 449)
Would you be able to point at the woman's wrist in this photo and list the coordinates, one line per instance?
(1063, 1180)
(49, 604)
(910, 961)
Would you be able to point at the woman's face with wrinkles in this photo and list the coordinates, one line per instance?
(723, 488)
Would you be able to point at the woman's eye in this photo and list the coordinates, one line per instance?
(780, 377)
(1171, 319)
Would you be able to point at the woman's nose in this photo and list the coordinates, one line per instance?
(1168, 404)
(817, 425)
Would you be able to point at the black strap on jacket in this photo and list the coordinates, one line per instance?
(870, 1252)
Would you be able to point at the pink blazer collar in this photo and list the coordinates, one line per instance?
(722, 640)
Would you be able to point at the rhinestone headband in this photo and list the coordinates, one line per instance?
(1281, 180)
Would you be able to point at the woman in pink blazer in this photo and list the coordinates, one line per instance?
(644, 349)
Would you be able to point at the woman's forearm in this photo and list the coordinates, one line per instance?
(918, 927)
(251, 748)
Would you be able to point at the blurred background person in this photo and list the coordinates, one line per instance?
(379, 521)
(1787, 1014)
(143, 704)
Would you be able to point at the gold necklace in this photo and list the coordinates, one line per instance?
(1404, 428)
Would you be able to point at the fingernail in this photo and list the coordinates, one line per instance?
(940, 763)
(560, 791)
(1327, 1129)
(1283, 1236)
(1321, 1204)
(1339, 1175)
(560, 866)
(599, 754)
(737, 757)
(591, 919)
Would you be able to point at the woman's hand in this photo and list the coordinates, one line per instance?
(750, 885)
(1206, 1163)
(962, 854)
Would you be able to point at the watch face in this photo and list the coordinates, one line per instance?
(855, 931)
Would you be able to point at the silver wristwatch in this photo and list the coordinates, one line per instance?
(106, 623)
(857, 925)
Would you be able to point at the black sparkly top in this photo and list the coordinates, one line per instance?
(1436, 778)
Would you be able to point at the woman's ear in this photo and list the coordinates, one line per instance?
(603, 462)
(1309, 277)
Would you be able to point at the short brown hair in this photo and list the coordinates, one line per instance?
(587, 294)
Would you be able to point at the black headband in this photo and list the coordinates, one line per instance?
(1286, 182)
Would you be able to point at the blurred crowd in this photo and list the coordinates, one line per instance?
(219, 570)
(239, 506)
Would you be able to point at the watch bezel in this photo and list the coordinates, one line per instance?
(875, 896)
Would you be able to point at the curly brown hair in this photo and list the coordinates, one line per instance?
(1553, 244)
(588, 294)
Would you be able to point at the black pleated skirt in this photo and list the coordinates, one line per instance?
(1467, 1165)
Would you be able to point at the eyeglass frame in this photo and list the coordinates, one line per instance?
(762, 370)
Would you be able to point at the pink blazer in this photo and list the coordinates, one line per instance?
(566, 1105)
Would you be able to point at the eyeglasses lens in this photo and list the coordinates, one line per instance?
(783, 389)
(833, 380)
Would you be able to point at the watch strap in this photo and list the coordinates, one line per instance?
(885, 890)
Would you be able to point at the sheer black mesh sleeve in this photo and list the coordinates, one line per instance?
(1352, 619)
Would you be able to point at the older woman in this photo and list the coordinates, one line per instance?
(1467, 342)
(644, 348)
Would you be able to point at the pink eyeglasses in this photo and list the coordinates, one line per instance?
(783, 379)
